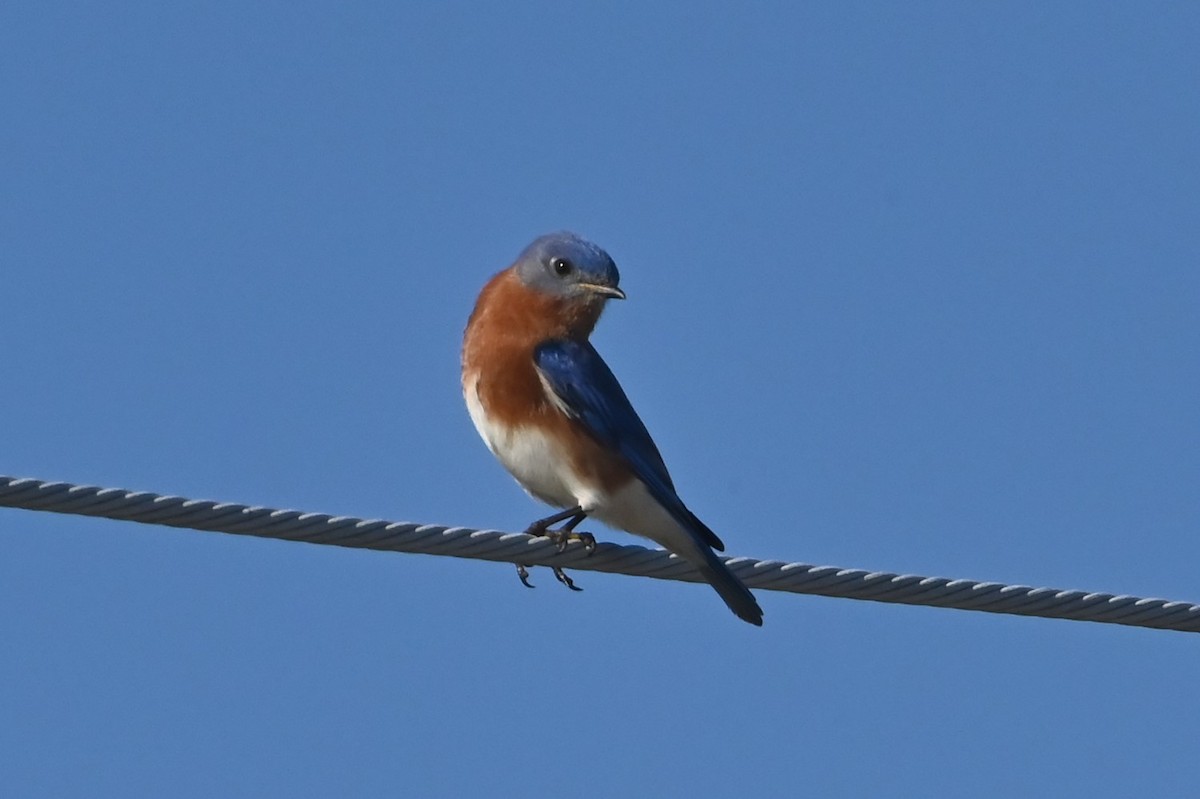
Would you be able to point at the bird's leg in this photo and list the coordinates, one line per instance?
(541, 525)
(565, 534)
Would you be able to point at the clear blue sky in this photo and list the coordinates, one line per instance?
(913, 287)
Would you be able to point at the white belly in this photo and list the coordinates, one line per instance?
(543, 469)
(536, 461)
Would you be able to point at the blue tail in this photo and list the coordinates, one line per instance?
(736, 595)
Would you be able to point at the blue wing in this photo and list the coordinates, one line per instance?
(590, 393)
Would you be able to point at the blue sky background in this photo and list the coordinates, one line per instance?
(913, 287)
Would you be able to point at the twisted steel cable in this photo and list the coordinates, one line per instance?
(462, 542)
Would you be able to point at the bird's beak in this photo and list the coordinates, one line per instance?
(612, 292)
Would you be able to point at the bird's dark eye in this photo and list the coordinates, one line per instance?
(561, 266)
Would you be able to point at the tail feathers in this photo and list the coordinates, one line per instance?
(736, 595)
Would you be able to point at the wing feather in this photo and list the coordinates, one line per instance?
(584, 388)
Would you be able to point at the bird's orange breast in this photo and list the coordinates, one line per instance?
(508, 323)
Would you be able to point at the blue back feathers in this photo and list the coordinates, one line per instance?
(587, 387)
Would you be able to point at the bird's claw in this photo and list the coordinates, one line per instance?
(523, 573)
(559, 574)
(562, 577)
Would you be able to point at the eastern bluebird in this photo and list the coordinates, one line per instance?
(552, 412)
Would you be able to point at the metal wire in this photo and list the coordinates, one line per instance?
(462, 542)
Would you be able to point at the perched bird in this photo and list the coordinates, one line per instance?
(554, 415)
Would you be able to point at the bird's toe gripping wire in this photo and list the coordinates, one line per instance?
(561, 538)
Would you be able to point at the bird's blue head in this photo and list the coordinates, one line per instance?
(570, 267)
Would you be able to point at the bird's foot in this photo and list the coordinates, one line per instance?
(563, 537)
